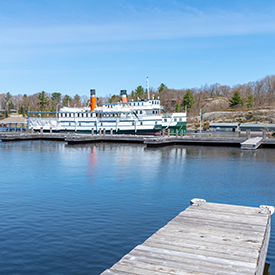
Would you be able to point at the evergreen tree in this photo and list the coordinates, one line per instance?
(162, 87)
(56, 97)
(188, 100)
(44, 101)
(66, 100)
(21, 110)
(250, 101)
(177, 107)
(236, 99)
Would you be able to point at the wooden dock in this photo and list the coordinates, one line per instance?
(149, 141)
(206, 238)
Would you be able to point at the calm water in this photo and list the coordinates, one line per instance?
(78, 210)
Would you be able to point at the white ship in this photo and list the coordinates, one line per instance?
(133, 117)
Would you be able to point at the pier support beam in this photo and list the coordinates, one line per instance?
(264, 134)
(248, 134)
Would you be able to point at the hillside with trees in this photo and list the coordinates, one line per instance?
(208, 98)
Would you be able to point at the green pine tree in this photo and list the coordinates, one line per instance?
(188, 100)
(44, 101)
(236, 100)
(177, 107)
(250, 101)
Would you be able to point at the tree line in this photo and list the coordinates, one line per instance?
(257, 94)
(39, 102)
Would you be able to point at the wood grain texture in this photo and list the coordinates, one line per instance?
(206, 239)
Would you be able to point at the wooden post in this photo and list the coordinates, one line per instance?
(111, 132)
(247, 133)
(104, 132)
(163, 132)
(177, 133)
(41, 130)
(100, 131)
(181, 132)
(93, 131)
(168, 132)
(51, 130)
(32, 130)
(264, 134)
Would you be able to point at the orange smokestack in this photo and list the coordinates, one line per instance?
(123, 94)
(93, 100)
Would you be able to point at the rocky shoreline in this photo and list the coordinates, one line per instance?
(250, 116)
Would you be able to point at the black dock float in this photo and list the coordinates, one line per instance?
(202, 141)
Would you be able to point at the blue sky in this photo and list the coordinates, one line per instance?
(73, 46)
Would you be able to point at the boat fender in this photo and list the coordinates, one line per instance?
(197, 202)
(264, 209)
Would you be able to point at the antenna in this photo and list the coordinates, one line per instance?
(148, 88)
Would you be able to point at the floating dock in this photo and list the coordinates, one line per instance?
(206, 238)
(252, 143)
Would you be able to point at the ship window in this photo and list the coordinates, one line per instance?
(175, 119)
(141, 123)
(165, 120)
(156, 122)
(180, 119)
(70, 124)
(79, 123)
(133, 123)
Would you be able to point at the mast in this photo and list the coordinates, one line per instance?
(148, 88)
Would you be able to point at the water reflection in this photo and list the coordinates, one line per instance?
(84, 202)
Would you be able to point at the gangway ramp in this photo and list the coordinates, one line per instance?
(252, 143)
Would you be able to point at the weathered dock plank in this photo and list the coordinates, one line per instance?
(206, 238)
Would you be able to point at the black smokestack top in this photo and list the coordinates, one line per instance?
(92, 92)
(123, 92)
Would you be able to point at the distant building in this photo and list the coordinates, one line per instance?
(227, 127)
(257, 127)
